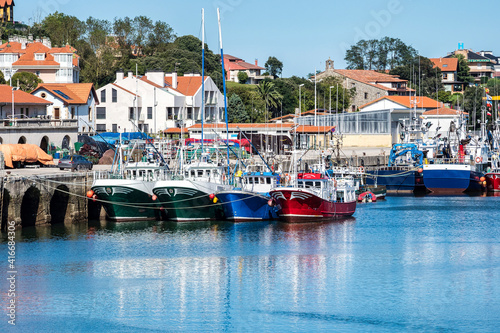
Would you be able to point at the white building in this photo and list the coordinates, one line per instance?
(439, 120)
(50, 64)
(70, 101)
(156, 101)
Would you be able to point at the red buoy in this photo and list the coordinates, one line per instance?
(90, 193)
(154, 197)
(211, 196)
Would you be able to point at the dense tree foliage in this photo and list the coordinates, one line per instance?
(26, 81)
(386, 53)
(274, 67)
(463, 70)
(242, 77)
(237, 112)
(423, 76)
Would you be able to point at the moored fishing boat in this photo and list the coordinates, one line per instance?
(314, 198)
(250, 201)
(127, 195)
(188, 197)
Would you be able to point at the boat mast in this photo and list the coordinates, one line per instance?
(224, 86)
(202, 73)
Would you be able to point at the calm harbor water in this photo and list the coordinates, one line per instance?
(404, 264)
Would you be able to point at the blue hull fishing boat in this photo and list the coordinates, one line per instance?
(250, 199)
(452, 178)
(242, 206)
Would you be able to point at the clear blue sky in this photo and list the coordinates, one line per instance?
(302, 34)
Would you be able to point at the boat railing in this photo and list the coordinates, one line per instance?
(455, 160)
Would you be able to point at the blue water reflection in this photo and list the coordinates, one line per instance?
(404, 264)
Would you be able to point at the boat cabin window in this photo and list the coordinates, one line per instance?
(268, 180)
(193, 174)
(262, 180)
(200, 173)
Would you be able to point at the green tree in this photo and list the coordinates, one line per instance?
(2, 78)
(26, 81)
(271, 97)
(236, 110)
(242, 77)
(386, 53)
(62, 28)
(274, 66)
(463, 70)
(423, 76)
(472, 103)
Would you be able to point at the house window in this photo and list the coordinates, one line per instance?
(150, 112)
(114, 96)
(146, 128)
(101, 113)
(114, 128)
(39, 56)
(131, 114)
(90, 114)
(101, 127)
(37, 73)
(72, 112)
(103, 96)
(189, 113)
(170, 113)
(445, 76)
(366, 95)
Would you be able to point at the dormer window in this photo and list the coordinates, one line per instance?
(39, 56)
(445, 65)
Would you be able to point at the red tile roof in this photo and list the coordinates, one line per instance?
(423, 102)
(286, 126)
(6, 3)
(233, 63)
(76, 93)
(368, 76)
(446, 64)
(443, 112)
(314, 129)
(176, 130)
(186, 85)
(20, 97)
(27, 54)
(242, 126)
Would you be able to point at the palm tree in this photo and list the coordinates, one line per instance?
(267, 91)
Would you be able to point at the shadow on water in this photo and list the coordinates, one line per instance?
(59, 204)
(401, 325)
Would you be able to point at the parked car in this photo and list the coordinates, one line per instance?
(74, 162)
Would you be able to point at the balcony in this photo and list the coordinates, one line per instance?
(37, 123)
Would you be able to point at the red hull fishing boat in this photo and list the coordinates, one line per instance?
(314, 198)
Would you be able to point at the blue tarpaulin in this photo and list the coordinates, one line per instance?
(111, 137)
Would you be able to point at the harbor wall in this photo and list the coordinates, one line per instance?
(47, 199)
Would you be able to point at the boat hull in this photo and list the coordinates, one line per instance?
(126, 200)
(246, 206)
(451, 178)
(187, 201)
(298, 206)
(493, 181)
(397, 179)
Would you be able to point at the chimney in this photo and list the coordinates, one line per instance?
(256, 62)
(130, 74)
(174, 80)
(157, 77)
(120, 75)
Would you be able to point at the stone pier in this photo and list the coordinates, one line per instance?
(47, 199)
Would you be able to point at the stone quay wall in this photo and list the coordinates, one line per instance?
(46, 199)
